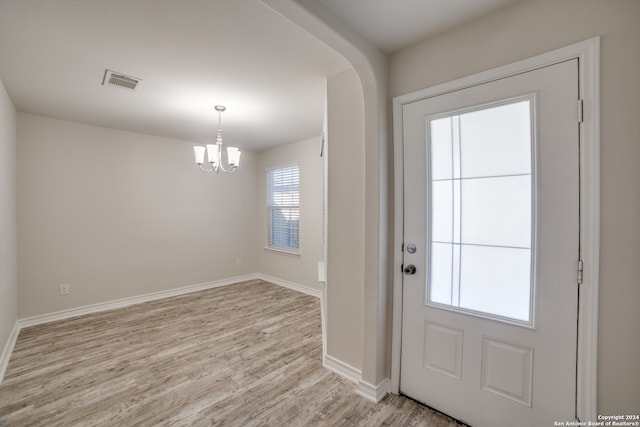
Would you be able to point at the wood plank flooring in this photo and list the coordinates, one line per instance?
(248, 354)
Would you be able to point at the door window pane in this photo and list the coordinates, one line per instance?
(442, 212)
(495, 280)
(496, 140)
(497, 211)
(441, 272)
(441, 165)
(480, 198)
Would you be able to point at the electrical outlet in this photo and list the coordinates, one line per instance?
(238, 262)
(65, 289)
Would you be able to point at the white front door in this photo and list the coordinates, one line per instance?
(491, 225)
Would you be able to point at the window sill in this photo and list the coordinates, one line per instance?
(282, 251)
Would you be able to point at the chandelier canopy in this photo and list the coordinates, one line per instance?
(214, 151)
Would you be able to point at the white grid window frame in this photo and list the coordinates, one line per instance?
(283, 208)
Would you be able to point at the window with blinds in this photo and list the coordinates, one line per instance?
(283, 208)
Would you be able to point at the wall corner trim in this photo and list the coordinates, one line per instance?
(8, 349)
(341, 368)
(370, 392)
(291, 285)
(374, 393)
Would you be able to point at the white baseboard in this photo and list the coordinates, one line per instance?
(124, 302)
(374, 393)
(370, 392)
(291, 285)
(8, 349)
(343, 369)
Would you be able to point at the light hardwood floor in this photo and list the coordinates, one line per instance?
(248, 354)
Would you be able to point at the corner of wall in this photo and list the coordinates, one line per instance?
(8, 228)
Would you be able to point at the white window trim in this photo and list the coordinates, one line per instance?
(277, 249)
(588, 55)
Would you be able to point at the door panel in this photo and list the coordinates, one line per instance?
(491, 203)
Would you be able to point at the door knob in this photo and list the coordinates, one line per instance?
(410, 269)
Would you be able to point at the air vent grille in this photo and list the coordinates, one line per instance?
(113, 78)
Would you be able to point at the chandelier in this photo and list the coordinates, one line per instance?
(214, 151)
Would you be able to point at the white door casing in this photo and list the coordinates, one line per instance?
(488, 342)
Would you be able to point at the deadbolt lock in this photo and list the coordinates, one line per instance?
(410, 269)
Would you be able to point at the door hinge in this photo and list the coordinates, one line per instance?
(402, 247)
(580, 271)
(580, 110)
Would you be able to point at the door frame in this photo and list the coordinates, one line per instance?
(588, 55)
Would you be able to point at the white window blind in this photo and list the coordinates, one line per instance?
(283, 208)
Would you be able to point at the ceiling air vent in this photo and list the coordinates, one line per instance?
(113, 78)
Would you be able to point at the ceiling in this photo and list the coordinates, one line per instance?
(391, 25)
(192, 55)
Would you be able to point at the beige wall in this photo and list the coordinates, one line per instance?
(534, 27)
(302, 269)
(117, 214)
(371, 66)
(346, 211)
(8, 239)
